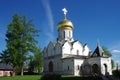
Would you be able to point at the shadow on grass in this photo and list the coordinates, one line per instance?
(59, 77)
(81, 78)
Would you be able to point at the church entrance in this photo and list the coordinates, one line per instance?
(105, 67)
(95, 69)
(50, 66)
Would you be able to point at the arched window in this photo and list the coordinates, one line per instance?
(105, 67)
(95, 69)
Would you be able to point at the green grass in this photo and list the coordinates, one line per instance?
(37, 77)
(26, 77)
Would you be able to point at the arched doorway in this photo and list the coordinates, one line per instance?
(50, 66)
(105, 67)
(95, 69)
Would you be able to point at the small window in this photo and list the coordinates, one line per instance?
(64, 34)
(78, 67)
(68, 68)
(77, 52)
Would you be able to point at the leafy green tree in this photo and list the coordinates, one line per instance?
(13, 40)
(36, 61)
(20, 39)
(108, 53)
(28, 43)
(4, 57)
(31, 64)
(112, 63)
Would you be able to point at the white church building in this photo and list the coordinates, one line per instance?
(71, 57)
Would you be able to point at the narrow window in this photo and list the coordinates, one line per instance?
(64, 34)
(69, 34)
(77, 52)
(68, 68)
(78, 67)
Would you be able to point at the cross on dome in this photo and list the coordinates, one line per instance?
(64, 12)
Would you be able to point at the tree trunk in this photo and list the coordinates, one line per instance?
(13, 72)
(22, 70)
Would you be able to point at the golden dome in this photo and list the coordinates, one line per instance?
(65, 24)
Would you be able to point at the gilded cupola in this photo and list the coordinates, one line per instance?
(65, 24)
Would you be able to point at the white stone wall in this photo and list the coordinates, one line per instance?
(86, 50)
(58, 49)
(107, 62)
(75, 49)
(45, 52)
(101, 62)
(77, 63)
(57, 64)
(68, 63)
(45, 65)
(66, 49)
(94, 60)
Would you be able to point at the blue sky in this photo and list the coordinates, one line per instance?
(92, 20)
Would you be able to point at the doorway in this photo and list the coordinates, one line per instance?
(50, 66)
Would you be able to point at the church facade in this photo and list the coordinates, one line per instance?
(71, 57)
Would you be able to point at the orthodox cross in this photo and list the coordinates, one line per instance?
(64, 12)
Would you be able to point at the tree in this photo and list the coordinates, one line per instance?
(31, 65)
(108, 53)
(36, 61)
(20, 40)
(4, 57)
(28, 43)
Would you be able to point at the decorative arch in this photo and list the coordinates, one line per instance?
(105, 69)
(95, 69)
(66, 48)
(57, 48)
(77, 46)
(51, 66)
(50, 48)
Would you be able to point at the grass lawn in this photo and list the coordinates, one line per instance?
(26, 77)
(37, 77)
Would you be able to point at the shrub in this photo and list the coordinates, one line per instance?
(51, 77)
(116, 73)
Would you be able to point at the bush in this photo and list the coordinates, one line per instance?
(51, 77)
(29, 73)
(116, 73)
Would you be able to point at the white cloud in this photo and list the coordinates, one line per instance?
(48, 11)
(115, 51)
(50, 28)
(115, 47)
